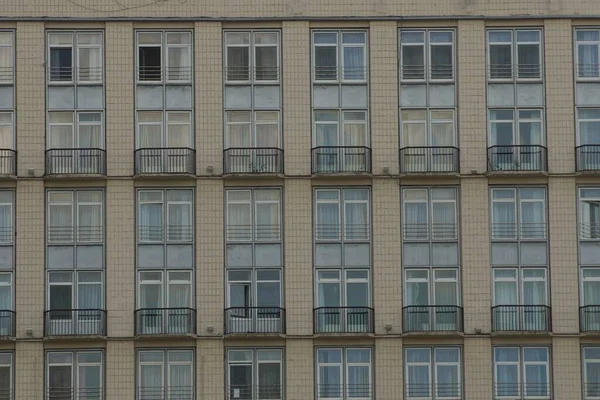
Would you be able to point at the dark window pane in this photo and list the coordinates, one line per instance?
(61, 64)
(150, 63)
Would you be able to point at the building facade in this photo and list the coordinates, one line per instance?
(294, 200)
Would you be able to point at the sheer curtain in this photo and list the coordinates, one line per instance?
(179, 225)
(89, 291)
(330, 373)
(359, 376)
(90, 56)
(61, 130)
(239, 221)
(178, 56)
(353, 44)
(587, 54)
(441, 55)
(150, 295)
(535, 371)
(533, 218)
(355, 129)
(238, 129)
(265, 56)
(6, 222)
(414, 128)
(90, 130)
(528, 54)
(238, 56)
(591, 358)
(60, 225)
(418, 373)
(328, 221)
(90, 223)
(178, 129)
(180, 382)
(179, 290)
(325, 48)
(591, 287)
(89, 383)
(507, 371)
(589, 126)
(5, 304)
(447, 373)
(267, 129)
(356, 222)
(500, 55)
(267, 221)
(269, 378)
(151, 381)
(6, 131)
(503, 220)
(6, 56)
(150, 129)
(444, 220)
(415, 220)
(506, 295)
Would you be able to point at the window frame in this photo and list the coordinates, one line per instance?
(8, 238)
(427, 54)
(576, 44)
(521, 374)
(75, 46)
(75, 227)
(165, 286)
(428, 124)
(429, 202)
(519, 282)
(75, 125)
(165, 365)
(515, 123)
(340, 59)
(164, 61)
(253, 204)
(341, 203)
(514, 51)
(343, 366)
(432, 366)
(517, 202)
(164, 127)
(251, 46)
(431, 281)
(585, 361)
(253, 284)
(342, 282)
(74, 284)
(254, 364)
(9, 77)
(252, 124)
(74, 364)
(165, 202)
(581, 200)
(9, 356)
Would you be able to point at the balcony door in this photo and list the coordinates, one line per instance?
(75, 139)
(430, 134)
(520, 295)
(588, 126)
(341, 138)
(60, 381)
(432, 300)
(6, 305)
(343, 304)
(164, 307)
(162, 138)
(74, 307)
(254, 301)
(252, 138)
(590, 298)
(515, 138)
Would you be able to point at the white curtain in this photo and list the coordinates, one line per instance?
(151, 222)
(415, 221)
(354, 55)
(179, 65)
(507, 371)
(447, 375)
(89, 227)
(530, 133)
(60, 225)
(6, 129)
(267, 221)
(442, 128)
(330, 381)
(89, 294)
(356, 222)
(414, 128)
(505, 290)
(6, 222)
(265, 56)
(180, 382)
(417, 293)
(179, 295)
(500, 55)
(444, 220)
(150, 295)
(238, 129)
(533, 219)
(589, 126)
(150, 129)
(90, 56)
(503, 220)
(238, 56)
(591, 286)
(151, 381)
(355, 129)
(90, 130)
(535, 371)
(328, 221)
(587, 54)
(179, 225)
(528, 54)
(61, 130)
(441, 55)
(5, 293)
(267, 129)
(239, 221)
(419, 380)
(178, 129)
(325, 55)
(6, 57)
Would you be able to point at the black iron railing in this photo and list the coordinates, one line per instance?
(432, 319)
(80, 234)
(589, 318)
(254, 392)
(440, 72)
(348, 391)
(343, 320)
(75, 322)
(73, 393)
(157, 73)
(517, 158)
(165, 160)
(261, 232)
(174, 232)
(256, 160)
(75, 161)
(522, 390)
(8, 162)
(436, 390)
(165, 392)
(588, 157)
(254, 320)
(429, 159)
(341, 159)
(522, 318)
(7, 324)
(165, 321)
(336, 73)
(65, 74)
(437, 231)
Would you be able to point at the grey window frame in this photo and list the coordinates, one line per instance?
(165, 363)
(74, 364)
(344, 371)
(254, 364)
(514, 44)
(520, 371)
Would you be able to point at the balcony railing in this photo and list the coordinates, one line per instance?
(256, 392)
(360, 391)
(165, 321)
(261, 232)
(343, 320)
(153, 74)
(75, 161)
(518, 71)
(81, 322)
(435, 230)
(525, 231)
(437, 390)
(592, 389)
(589, 318)
(67, 74)
(522, 390)
(7, 324)
(8, 162)
(254, 320)
(6, 75)
(73, 393)
(429, 159)
(165, 392)
(437, 72)
(6, 393)
(236, 74)
(257, 160)
(536, 318)
(588, 71)
(588, 157)
(517, 158)
(432, 319)
(334, 73)
(332, 159)
(165, 160)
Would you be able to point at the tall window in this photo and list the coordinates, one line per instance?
(427, 55)
(588, 136)
(75, 57)
(522, 372)
(587, 45)
(515, 54)
(164, 56)
(75, 262)
(7, 317)
(159, 129)
(6, 375)
(254, 215)
(165, 374)
(344, 373)
(342, 214)
(254, 374)
(591, 372)
(429, 213)
(428, 127)
(7, 106)
(75, 374)
(589, 213)
(433, 373)
(70, 129)
(165, 260)
(340, 55)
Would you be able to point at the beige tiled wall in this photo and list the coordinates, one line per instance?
(298, 198)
